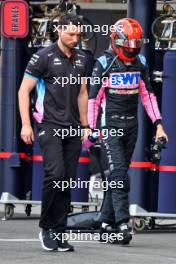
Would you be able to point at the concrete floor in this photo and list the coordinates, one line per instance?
(19, 244)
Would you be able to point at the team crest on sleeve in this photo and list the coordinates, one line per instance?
(34, 59)
(129, 80)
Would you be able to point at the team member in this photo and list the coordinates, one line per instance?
(60, 106)
(126, 76)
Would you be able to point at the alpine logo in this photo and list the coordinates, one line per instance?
(128, 80)
(57, 61)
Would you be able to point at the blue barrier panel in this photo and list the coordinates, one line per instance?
(167, 180)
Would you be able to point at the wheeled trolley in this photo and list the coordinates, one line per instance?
(141, 219)
(9, 201)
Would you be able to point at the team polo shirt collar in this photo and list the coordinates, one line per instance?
(60, 52)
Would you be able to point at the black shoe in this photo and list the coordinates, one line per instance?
(63, 245)
(111, 235)
(105, 233)
(48, 240)
(126, 234)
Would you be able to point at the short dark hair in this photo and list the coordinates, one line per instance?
(67, 19)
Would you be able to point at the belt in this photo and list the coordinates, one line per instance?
(123, 117)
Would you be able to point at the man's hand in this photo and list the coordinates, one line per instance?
(86, 133)
(27, 134)
(160, 133)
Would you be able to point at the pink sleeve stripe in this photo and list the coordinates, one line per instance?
(93, 108)
(91, 111)
(149, 102)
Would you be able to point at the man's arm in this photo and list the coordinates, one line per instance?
(149, 101)
(83, 108)
(33, 72)
(96, 91)
(26, 87)
(83, 103)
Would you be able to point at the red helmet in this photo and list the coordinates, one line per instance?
(127, 39)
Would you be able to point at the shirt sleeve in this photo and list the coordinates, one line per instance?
(36, 66)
